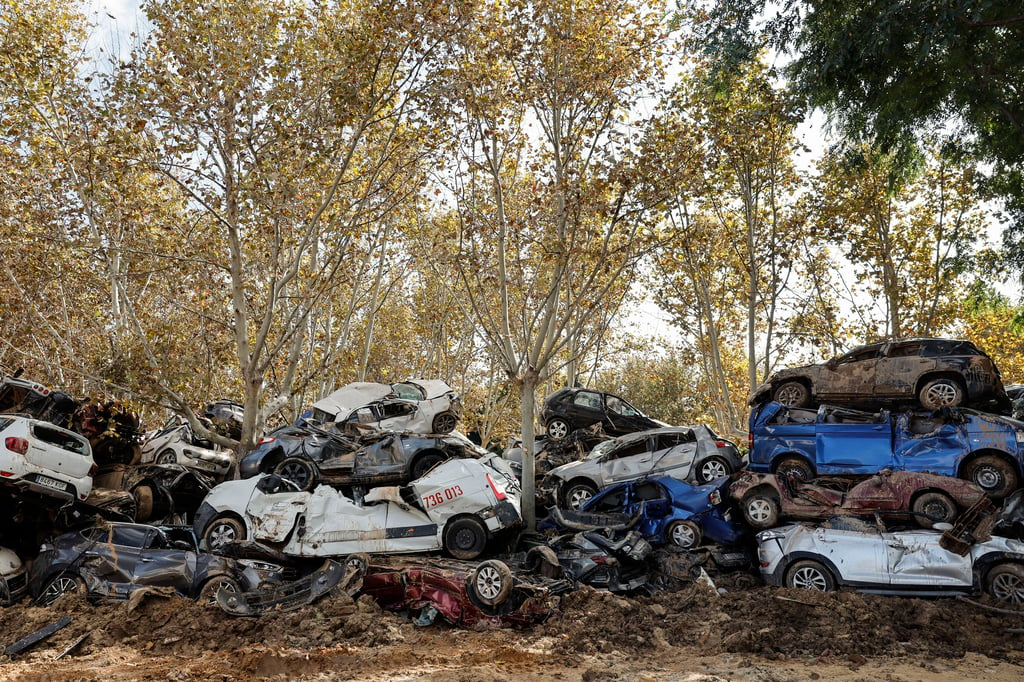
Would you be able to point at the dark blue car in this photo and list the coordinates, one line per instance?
(670, 511)
(984, 448)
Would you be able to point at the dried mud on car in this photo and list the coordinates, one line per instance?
(743, 634)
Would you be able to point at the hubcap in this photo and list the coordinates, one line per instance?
(221, 534)
(713, 469)
(488, 582)
(1008, 588)
(760, 510)
(683, 536)
(578, 497)
(558, 429)
(988, 478)
(810, 578)
(942, 394)
(296, 473)
(789, 395)
(58, 588)
(465, 538)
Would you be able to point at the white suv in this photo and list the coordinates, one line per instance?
(45, 458)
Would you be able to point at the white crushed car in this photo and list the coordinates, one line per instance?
(45, 458)
(13, 577)
(176, 443)
(417, 405)
(457, 506)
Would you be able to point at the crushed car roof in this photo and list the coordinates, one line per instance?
(359, 393)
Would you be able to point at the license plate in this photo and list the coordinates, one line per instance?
(51, 483)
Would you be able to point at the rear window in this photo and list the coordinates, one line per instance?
(61, 439)
(949, 347)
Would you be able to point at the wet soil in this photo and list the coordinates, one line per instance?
(742, 632)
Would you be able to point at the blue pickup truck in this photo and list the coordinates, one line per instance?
(984, 448)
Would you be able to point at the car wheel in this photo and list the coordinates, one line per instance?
(558, 428)
(167, 457)
(996, 476)
(445, 422)
(712, 468)
(223, 531)
(761, 510)
(424, 463)
(64, 583)
(208, 592)
(465, 538)
(543, 560)
(490, 583)
(576, 495)
(360, 563)
(939, 393)
(796, 467)
(143, 503)
(299, 471)
(810, 575)
(934, 507)
(793, 393)
(684, 534)
(1005, 583)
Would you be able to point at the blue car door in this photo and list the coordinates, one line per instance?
(853, 442)
(931, 442)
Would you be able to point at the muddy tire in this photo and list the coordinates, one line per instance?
(996, 476)
(490, 583)
(933, 507)
(797, 467)
(543, 561)
(144, 503)
(684, 534)
(444, 422)
(167, 456)
(465, 538)
(424, 463)
(299, 471)
(712, 468)
(208, 592)
(59, 585)
(223, 531)
(1005, 583)
(762, 509)
(810, 575)
(558, 428)
(939, 393)
(576, 494)
(359, 563)
(793, 393)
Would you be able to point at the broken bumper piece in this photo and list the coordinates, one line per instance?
(287, 596)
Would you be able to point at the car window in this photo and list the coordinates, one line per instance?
(588, 399)
(859, 356)
(905, 350)
(5, 422)
(364, 415)
(648, 491)
(670, 440)
(622, 407)
(62, 439)
(396, 409)
(793, 415)
(612, 502)
(949, 347)
(602, 449)
(408, 391)
(97, 534)
(129, 536)
(630, 450)
(840, 415)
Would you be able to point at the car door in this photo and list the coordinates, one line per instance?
(848, 375)
(585, 408)
(623, 417)
(674, 454)
(915, 559)
(932, 442)
(897, 371)
(396, 414)
(331, 524)
(114, 556)
(163, 563)
(632, 459)
(853, 442)
(859, 556)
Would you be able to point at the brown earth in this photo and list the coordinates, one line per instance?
(748, 633)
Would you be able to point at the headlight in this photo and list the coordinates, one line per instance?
(259, 565)
(1019, 436)
(769, 535)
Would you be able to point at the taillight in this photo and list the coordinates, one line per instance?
(498, 492)
(94, 469)
(721, 444)
(715, 498)
(265, 440)
(14, 444)
(750, 441)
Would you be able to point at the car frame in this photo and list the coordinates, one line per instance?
(458, 506)
(934, 372)
(689, 453)
(417, 405)
(870, 558)
(569, 409)
(177, 443)
(45, 458)
(983, 448)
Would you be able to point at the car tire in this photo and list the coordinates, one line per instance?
(465, 538)
(490, 583)
(424, 463)
(933, 507)
(299, 471)
(797, 467)
(359, 562)
(684, 534)
(444, 422)
(792, 393)
(144, 502)
(712, 468)
(558, 428)
(576, 494)
(1005, 583)
(810, 575)
(997, 477)
(167, 456)
(762, 509)
(222, 531)
(938, 393)
(543, 561)
(61, 584)
(208, 592)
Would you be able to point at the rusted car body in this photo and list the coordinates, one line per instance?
(474, 596)
(983, 448)
(925, 498)
(934, 372)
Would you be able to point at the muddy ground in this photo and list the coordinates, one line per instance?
(748, 633)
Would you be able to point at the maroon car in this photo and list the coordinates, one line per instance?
(926, 498)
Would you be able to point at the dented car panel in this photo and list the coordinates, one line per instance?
(417, 405)
(836, 440)
(287, 596)
(871, 558)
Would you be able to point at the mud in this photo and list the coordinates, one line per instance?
(749, 632)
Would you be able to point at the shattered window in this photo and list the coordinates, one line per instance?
(670, 440)
(408, 391)
(630, 450)
(389, 410)
(589, 400)
(860, 356)
(129, 536)
(61, 439)
(905, 350)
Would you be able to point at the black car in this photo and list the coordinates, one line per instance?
(933, 372)
(569, 409)
(308, 455)
(111, 561)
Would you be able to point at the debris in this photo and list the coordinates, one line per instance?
(36, 637)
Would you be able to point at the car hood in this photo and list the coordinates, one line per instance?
(567, 471)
